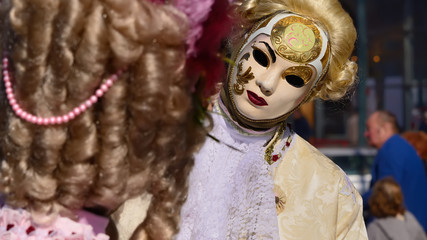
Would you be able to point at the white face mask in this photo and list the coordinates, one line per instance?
(277, 86)
(277, 66)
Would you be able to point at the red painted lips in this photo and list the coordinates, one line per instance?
(255, 99)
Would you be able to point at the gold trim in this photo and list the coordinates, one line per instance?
(304, 72)
(238, 88)
(270, 148)
(288, 142)
(325, 58)
(242, 79)
(306, 34)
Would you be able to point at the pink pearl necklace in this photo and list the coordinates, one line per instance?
(54, 120)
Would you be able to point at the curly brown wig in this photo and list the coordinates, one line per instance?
(139, 137)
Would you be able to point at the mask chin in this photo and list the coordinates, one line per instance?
(247, 122)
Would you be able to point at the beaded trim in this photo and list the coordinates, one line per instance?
(271, 158)
(54, 120)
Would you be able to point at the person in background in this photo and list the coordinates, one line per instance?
(392, 221)
(398, 159)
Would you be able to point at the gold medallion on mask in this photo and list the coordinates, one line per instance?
(296, 39)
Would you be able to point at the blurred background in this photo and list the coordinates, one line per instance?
(391, 52)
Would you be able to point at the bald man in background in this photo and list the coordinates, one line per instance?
(398, 159)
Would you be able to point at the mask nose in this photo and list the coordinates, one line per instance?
(268, 83)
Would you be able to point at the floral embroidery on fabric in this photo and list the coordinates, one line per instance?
(280, 199)
(348, 189)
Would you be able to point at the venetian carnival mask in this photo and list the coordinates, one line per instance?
(280, 61)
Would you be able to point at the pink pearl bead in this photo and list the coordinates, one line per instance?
(65, 118)
(39, 120)
(99, 93)
(88, 103)
(59, 120)
(12, 102)
(15, 107)
(109, 82)
(76, 111)
(10, 96)
(71, 115)
(82, 107)
(7, 84)
(24, 114)
(29, 118)
(52, 120)
(6, 78)
(8, 90)
(45, 121)
(19, 112)
(93, 99)
(104, 87)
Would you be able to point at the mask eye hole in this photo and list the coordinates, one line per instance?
(260, 57)
(295, 81)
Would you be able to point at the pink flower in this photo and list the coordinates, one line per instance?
(197, 13)
(204, 60)
(16, 224)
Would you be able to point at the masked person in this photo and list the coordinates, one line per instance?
(257, 179)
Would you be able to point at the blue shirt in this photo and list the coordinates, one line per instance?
(398, 159)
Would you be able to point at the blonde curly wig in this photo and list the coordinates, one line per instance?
(139, 137)
(326, 13)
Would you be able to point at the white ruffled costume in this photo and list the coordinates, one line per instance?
(235, 194)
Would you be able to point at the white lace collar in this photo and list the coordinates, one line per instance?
(231, 189)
